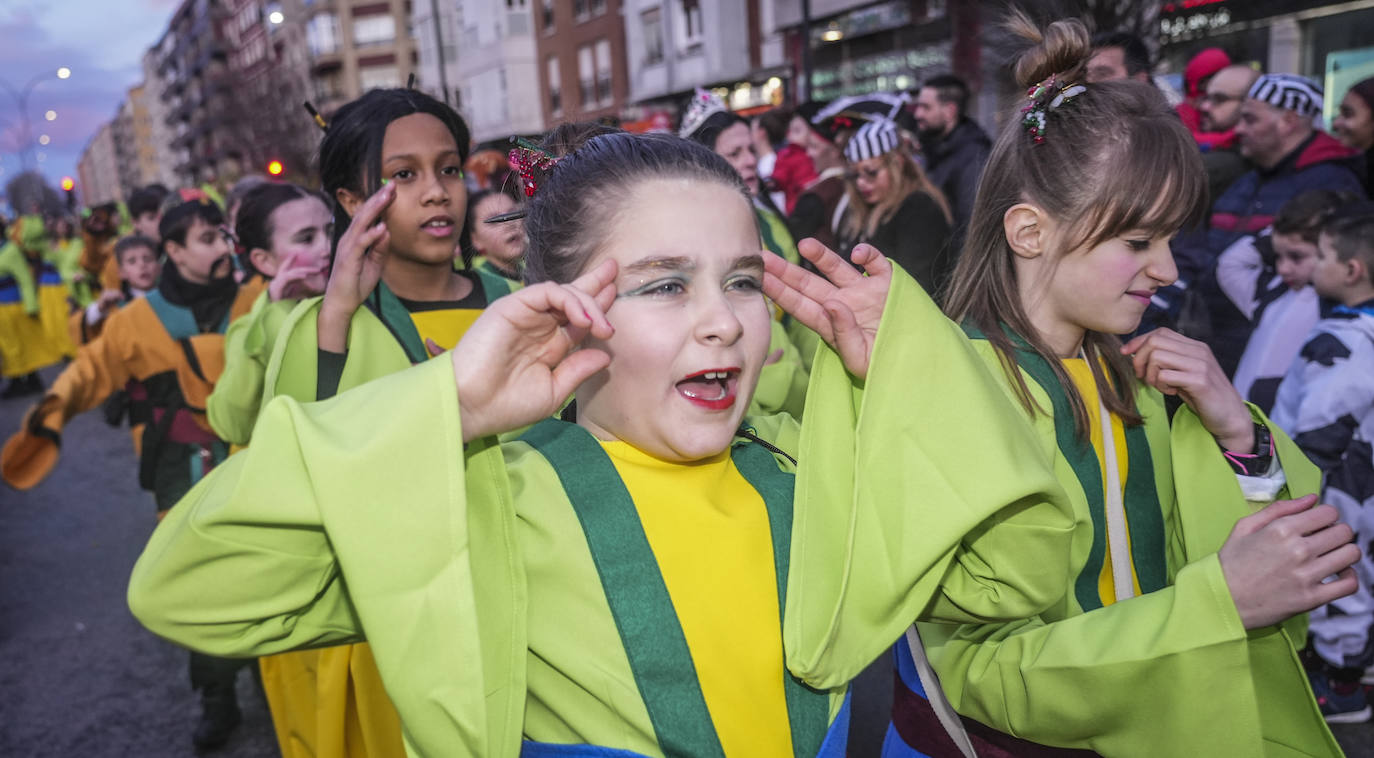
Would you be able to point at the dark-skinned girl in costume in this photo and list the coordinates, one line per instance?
(659, 575)
(393, 299)
(1190, 567)
(33, 308)
(172, 342)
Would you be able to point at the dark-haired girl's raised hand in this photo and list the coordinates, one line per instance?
(520, 361)
(844, 307)
(358, 262)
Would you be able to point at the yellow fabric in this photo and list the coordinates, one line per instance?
(444, 326)
(1082, 376)
(725, 596)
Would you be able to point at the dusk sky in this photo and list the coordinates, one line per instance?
(101, 41)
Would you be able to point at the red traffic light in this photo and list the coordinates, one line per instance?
(275, 168)
(68, 184)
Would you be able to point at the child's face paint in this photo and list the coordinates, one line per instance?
(300, 237)
(205, 256)
(692, 325)
(421, 159)
(139, 267)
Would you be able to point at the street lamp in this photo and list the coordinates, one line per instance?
(50, 116)
(64, 73)
(44, 139)
(21, 99)
(276, 17)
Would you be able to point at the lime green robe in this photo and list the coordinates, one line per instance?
(232, 409)
(1171, 672)
(464, 566)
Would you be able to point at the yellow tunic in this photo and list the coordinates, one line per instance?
(726, 598)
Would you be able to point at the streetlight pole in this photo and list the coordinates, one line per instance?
(21, 99)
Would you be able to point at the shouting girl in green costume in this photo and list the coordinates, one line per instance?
(1178, 630)
(654, 574)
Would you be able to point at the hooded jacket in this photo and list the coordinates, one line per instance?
(954, 164)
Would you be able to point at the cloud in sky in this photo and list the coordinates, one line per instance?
(101, 41)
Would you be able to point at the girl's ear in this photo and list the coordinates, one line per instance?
(264, 261)
(348, 200)
(1026, 229)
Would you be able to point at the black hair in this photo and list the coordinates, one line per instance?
(950, 89)
(774, 122)
(133, 242)
(176, 221)
(567, 218)
(351, 151)
(710, 129)
(1351, 230)
(1306, 214)
(1134, 53)
(147, 199)
(253, 225)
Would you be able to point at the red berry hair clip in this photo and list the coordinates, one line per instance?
(525, 159)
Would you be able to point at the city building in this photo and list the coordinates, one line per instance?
(160, 133)
(353, 46)
(98, 169)
(198, 92)
(581, 61)
(488, 52)
(269, 65)
(670, 53)
(136, 156)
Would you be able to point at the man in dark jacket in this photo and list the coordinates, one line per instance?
(1290, 156)
(954, 146)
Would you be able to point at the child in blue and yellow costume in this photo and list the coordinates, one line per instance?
(33, 308)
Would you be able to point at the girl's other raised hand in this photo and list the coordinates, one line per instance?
(844, 306)
(520, 361)
(358, 261)
(1177, 365)
(1276, 561)
(293, 279)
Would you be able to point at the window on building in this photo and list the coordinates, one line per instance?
(652, 20)
(546, 16)
(374, 30)
(379, 77)
(555, 89)
(690, 28)
(598, 7)
(586, 76)
(322, 34)
(582, 10)
(604, 93)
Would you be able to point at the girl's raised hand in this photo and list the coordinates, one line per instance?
(292, 279)
(358, 262)
(1176, 365)
(520, 360)
(844, 307)
(1277, 560)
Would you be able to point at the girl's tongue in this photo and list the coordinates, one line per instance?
(714, 390)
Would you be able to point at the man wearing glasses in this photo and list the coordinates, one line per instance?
(1220, 109)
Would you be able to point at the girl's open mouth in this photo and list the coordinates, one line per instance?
(712, 389)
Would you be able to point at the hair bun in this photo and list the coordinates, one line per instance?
(1061, 49)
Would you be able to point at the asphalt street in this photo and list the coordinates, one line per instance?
(78, 675)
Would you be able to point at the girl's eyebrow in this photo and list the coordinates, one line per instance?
(413, 157)
(644, 265)
(754, 261)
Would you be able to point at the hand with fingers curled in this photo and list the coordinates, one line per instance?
(843, 306)
(358, 261)
(1177, 365)
(1289, 558)
(521, 360)
(296, 279)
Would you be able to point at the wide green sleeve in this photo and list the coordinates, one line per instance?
(232, 408)
(349, 519)
(293, 368)
(921, 493)
(12, 262)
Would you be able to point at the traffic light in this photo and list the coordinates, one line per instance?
(275, 168)
(68, 186)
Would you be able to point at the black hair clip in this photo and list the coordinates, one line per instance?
(499, 218)
(319, 120)
(410, 82)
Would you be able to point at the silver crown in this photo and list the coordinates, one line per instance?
(704, 105)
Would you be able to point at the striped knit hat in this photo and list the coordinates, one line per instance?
(872, 140)
(1289, 92)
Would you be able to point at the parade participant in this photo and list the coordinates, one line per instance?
(145, 209)
(99, 230)
(1354, 125)
(33, 308)
(1173, 637)
(172, 342)
(1267, 277)
(139, 267)
(394, 297)
(1326, 402)
(660, 575)
(496, 247)
(895, 207)
(820, 206)
(65, 256)
(285, 232)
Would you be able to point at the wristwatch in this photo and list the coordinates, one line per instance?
(1257, 462)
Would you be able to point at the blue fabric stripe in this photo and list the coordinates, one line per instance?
(836, 741)
(894, 747)
(10, 295)
(906, 669)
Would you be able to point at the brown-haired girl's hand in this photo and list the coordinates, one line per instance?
(520, 360)
(844, 307)
(1277, 560)
(1177, 365)
(358, 261)
(293, 279)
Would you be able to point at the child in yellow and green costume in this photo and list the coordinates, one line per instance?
(33, 305)
(1198, 548)
(665, 576)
